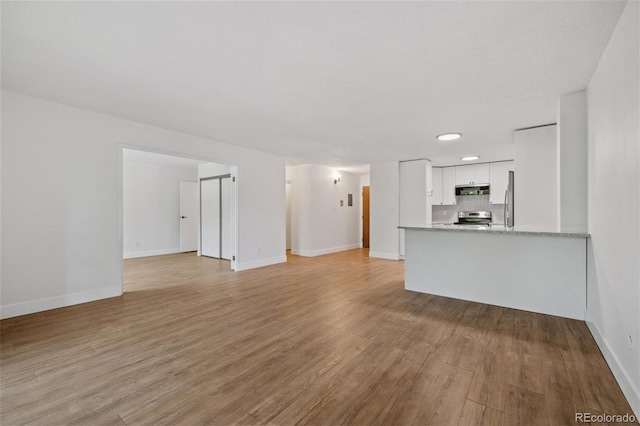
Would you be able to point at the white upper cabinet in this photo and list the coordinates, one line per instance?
(464, 175)
(444, 186)
(436, 173)
(499, 181)
(448, 186)
(472, 174)
(481, 173)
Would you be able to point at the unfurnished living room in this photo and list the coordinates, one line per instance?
(398, 213)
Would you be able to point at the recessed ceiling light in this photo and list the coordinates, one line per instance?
(469, 158)
(449, 136)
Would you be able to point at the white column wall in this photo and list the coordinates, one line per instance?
(536, 178)
(415, 184)
(385, 202)
(301, 208)
(572, 162)
(613, 279)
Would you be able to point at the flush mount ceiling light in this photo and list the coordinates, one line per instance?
(469, 158)
(449, 136)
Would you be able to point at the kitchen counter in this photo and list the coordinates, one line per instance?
(531, 269)
(497, 229)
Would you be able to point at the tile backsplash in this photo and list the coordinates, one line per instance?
(449, 214)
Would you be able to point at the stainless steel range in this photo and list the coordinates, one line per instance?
(474, 218)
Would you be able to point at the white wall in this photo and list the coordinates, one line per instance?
(572, 162)
(536, 178)
(320, 225)
(385, 202)
(212, 169)
(62, 226)
(613, 283)
(301, 207)
(151, 207)
(335, 226)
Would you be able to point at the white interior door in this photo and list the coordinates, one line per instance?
(225, 220)
(210, 217)
(188, 216)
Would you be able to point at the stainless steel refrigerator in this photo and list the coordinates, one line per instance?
(508, 201)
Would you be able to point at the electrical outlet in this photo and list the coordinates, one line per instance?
(444, 212)
(137, 243)
(259, 250)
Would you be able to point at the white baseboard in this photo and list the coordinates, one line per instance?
(313, 253)
(39, 305)
(147, 253)
(382, 255)
(629, 389)
(260, 263)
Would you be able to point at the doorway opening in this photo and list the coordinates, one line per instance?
(161, 210)
(365, 216)
(288, 195)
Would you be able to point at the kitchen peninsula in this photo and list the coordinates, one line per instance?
(532, 269)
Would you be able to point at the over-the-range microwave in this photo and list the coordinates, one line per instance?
(482, 189)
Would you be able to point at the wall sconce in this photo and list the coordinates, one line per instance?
(336, 179)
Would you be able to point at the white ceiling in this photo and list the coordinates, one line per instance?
(333, 83)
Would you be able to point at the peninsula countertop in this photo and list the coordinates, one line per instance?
(533, 269)
(497, 229)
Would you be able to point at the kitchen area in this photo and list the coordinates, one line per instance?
(472, 194)
(507, 233)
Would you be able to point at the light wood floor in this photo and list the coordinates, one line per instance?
(328, 340)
